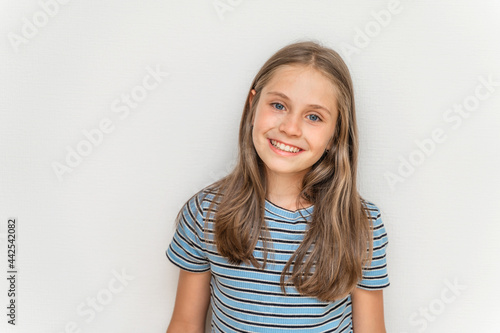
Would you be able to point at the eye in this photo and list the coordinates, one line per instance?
(278, 106)
(314, 117)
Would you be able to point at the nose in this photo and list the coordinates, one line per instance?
(290, 124)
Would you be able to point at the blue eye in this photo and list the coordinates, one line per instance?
(314, 117)
(278, 106)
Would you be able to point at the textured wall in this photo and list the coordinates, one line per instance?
(114, 113)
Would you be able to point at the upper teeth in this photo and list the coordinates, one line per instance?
(284, 147)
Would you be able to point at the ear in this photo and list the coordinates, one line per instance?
(251, 95)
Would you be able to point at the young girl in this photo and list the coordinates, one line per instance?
(285, 243)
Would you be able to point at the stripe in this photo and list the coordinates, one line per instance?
(249, 299)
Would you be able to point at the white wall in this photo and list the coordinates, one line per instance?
(113, 214)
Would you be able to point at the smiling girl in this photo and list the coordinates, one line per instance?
(285, 243)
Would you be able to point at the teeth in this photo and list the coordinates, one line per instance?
(284, 147)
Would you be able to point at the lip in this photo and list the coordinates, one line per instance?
(281, 152)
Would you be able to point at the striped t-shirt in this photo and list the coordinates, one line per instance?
(247, 299)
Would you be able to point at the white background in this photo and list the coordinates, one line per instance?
(114, 212)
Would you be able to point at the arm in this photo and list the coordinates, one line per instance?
(191, 303)
(368, 311)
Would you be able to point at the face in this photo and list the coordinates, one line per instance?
(294, 120)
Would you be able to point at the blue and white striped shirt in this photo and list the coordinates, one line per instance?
(247, 299)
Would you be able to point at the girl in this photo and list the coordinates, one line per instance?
(285, 243)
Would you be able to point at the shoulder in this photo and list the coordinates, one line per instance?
(373, 213)
(375, 274)
(376, 223)
(199, 203)
(207, 196)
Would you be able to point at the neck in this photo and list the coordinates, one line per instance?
(284, 189)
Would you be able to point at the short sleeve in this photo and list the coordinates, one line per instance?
(187, 249)
(375, 275)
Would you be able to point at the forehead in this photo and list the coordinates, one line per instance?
(297, 69)
(303, 83)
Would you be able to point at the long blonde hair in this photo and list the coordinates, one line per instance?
(328, 263)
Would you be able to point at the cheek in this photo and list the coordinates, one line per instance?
(319, 140)
(256, 135)
(263, 121)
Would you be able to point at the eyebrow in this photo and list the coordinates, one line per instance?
(314, 106)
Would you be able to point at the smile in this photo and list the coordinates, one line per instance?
(283, 147)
